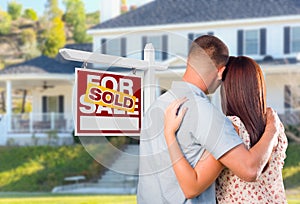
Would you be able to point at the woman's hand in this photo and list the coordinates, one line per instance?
(174, 116)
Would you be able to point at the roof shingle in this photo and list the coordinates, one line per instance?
(162, 12)
(42, 64)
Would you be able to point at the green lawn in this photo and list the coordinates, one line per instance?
(66, 199)
(38, 169)
(32, 198)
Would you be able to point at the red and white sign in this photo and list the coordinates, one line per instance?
(107, 104)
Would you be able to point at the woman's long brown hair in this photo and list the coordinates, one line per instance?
(243, 94)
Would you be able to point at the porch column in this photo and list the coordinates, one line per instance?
(8, 104)
(149, 77)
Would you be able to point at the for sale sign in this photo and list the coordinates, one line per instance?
(107, 104)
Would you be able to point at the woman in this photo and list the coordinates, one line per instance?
(243, 98)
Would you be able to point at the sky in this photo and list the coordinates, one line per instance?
(39, 5)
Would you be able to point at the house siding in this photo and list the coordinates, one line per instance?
(178, 39)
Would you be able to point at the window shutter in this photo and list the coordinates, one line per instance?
(190, 40)
(240, 38)
(44, 104)
(61, 103)
(123, 47)
(144, 42)
(286, 40)
(164, 47)
(263, 41)
(103, 46)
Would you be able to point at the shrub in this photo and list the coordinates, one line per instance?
(5, 22)
(30, 14)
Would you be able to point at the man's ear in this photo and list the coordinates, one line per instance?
(220, 72)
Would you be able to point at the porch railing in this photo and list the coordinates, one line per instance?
(41, 122)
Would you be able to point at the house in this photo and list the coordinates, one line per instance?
(50, 83)
(268, 31)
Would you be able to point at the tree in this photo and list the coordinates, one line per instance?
(30, 14)
(5, 22)
(52, 10)
(54, 39)
(76, 19)
(14, 9)
(54, 36)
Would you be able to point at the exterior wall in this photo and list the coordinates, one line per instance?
(275, 89)
(277, 76)
(275, 92)
(225, 30)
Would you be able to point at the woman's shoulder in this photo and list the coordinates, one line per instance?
(236, 121)
(243, 133)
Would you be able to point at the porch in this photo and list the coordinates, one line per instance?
(37, 129)
(41, 122)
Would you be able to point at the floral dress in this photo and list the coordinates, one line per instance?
(269, 186)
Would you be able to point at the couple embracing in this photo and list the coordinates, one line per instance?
(190, 152)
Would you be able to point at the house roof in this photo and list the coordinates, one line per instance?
(43, 64)
(161, 12)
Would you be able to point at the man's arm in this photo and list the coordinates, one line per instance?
(249, 164)
(193, 181)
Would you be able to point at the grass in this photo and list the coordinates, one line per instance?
(47, 198)
(41, 168)
(291, 170)
(38, 168)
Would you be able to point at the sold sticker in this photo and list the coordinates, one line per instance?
(110, 98)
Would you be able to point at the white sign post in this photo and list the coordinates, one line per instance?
(118, 97)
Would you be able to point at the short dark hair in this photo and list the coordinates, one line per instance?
(213, 47)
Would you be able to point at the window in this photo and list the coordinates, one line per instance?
(251, 42)
(160, 44)
(295, 39)
(193, 36)
(157, 44)
(53, 104)
(196, 35)
(114, 46)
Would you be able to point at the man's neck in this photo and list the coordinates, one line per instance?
(195, 79)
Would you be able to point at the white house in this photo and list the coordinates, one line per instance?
(268, 31)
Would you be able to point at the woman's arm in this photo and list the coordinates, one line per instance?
(193, 181)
